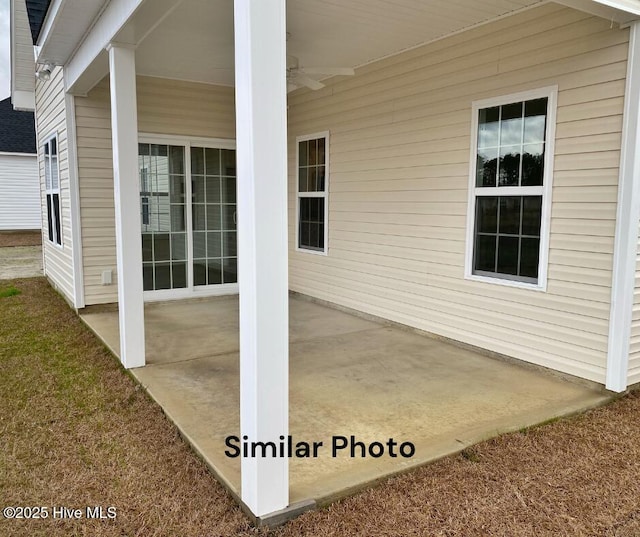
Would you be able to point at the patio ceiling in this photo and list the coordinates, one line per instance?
(193, 39)
(195, 42)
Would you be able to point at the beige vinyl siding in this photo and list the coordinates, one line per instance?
(22, 55)
(50, 120)
(19, 192)
(399, 161)
(164, 107)
(634, 344)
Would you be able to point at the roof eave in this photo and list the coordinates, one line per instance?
(22, 98)
(65, 26)
(620, 12)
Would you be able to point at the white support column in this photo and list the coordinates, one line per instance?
(627, 221)
(124, 127)
(261, 125)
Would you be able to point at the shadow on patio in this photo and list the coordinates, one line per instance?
(348, 376)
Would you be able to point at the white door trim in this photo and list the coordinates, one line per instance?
(191, 291)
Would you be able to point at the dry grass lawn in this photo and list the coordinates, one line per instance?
(20, 238)
(75, 430)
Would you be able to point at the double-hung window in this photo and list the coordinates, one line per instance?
(312, 198)
(510, 189)
(52, 186)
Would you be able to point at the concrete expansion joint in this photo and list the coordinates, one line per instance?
(193, 358)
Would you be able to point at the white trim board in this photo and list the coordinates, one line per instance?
(171, 139)
(10, 154)
(24, 101)
(165, 295)
(74, 201)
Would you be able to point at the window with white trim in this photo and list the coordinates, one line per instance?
(52, 186)
(312, 198)
(510, 190)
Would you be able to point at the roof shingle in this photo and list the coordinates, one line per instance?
(37, 11)
(17, 130)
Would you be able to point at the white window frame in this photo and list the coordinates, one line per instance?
(56, 241)
(551, 93)
(325, 194)
(191, 291)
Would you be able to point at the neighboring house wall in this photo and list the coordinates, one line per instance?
(164, 107)
(399, 161)
(50, 120)
(19, 192)
(634, 343)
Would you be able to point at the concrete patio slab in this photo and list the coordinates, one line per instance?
(348, 377)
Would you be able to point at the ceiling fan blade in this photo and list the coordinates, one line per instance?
(345, 71)
(307, 81)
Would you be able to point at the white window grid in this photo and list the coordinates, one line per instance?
(322, 194)
(52, 187)
(551, 93)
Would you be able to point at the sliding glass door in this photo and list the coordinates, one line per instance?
(188, 214)
(213, 180)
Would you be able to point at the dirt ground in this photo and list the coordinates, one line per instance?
(20, 238)
(76, 431)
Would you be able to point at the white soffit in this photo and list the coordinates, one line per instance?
(193, 39)
(617, 11)
(71, 19)
(195, 42)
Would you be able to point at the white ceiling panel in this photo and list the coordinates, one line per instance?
(195, 42)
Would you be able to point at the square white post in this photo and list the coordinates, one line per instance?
(628, 215)
(261, 131)
(124, 132)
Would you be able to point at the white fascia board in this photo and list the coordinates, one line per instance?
(24, 101)
(49, 21)
(627, 221)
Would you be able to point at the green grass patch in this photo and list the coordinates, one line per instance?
(77, 430)
(470, 455)
(531, 428)
(9, 291)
